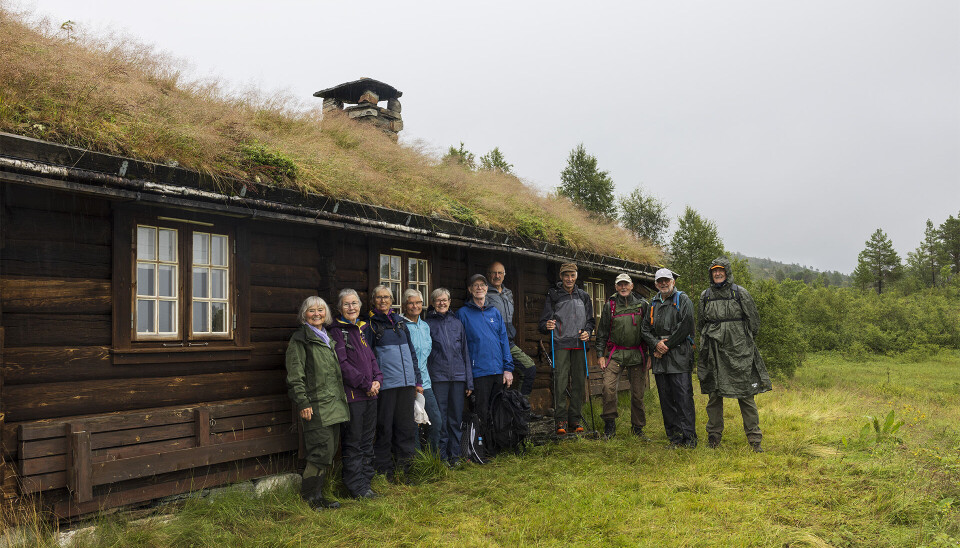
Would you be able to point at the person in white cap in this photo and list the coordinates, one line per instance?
(620, 348)
(668, 330)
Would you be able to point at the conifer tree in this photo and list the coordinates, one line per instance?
(949, 248)
(587, 186)
(645, 216)
(878, 264)
(693, 247)
(494, 161)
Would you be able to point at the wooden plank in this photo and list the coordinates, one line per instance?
(281, 275)
(201, 419)
(53, 363)
(43, 401)
(79, 479)
(55, 295)
(251, 433)
(283, 250)
(64, 329)
(278, 299)
(243, 422)
(48, 201)
(284, 320)
(46, 225)
(271, 334)
(56, 259)
(135, 467)
(102, 440)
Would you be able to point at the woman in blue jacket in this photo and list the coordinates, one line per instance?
(489, 347)
(450, 372)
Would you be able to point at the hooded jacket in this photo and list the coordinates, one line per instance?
(394, 350)
(727, 319)
(314, 378)
(670, 319)
(449, 357)
(574, 312)
(358, 363)
(486, 339)
(619, 334)
(503, 301)
(420, 337)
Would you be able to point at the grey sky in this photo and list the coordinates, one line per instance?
(798, 127)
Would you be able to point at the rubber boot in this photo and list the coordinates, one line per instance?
(713, 440)
(609, 428)
(756, 447)
(312, 491)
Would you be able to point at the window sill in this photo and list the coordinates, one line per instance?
(136, 356)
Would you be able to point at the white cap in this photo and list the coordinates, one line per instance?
(623, 278)
(664, 273)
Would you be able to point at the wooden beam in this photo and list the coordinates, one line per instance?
(78, 472)
(201, 419)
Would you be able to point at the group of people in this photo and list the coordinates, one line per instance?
(355, 380)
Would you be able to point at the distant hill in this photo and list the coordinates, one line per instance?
(764, 269)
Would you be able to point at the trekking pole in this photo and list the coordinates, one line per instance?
(586, 366)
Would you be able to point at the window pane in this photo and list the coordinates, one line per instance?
(146, 274)
(218, 317)
(384, 267)
(395, 289)
(412, 270)
(168, 281)
(168, 245)
(394, 268)
(218, 283)
(200, 279)
(145, 316)
(168, 316)
(201, 317)
(201, 253)
(218, 250)
(423, 271)
(146, 243)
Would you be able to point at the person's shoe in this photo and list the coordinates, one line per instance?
(713, 441)
(756, 447)
(638, 432)
(370, 495)
(311, 491)
(609, 428)
(577, 429)
(534, 417)
(673, 446)
(690, 444)
(562, 428)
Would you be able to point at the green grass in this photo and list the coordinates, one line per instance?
(808, 489)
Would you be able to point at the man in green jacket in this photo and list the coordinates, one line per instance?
(620, 348)
(668, 330)
(730, 364)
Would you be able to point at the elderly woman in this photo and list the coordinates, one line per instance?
(488, 345)
(361, 383)
(422, 343)
(316, 388)
(396, 430)
(450, 372)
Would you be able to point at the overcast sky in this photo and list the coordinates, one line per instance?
(799, 127)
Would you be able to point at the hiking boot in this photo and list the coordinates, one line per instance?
(311, 491)
(690, 444)
(713, 441)
(369, 495)
(562, 428)
(535, 417)
(609, 428)
(638, 432)
(577, 429)
(756, 447)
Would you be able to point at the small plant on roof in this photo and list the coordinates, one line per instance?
(258, 160)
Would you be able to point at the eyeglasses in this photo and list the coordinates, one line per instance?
(351, 304)
(414, 303)
(441, 300)
(383, 298)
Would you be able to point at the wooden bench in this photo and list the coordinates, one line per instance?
(83, 452)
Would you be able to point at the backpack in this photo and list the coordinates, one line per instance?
(706, 297)
(378, 330)
(611, 347)
(471, 437)
(676, 304)
(509, 411)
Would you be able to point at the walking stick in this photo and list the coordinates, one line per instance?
(586, 366)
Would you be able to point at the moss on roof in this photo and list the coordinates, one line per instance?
(122, 97)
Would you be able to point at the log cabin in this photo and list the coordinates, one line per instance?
(145, 310)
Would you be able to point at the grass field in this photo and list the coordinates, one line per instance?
(819, 483)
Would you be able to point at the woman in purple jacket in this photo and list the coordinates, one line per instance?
(361, 382)
(450, 372)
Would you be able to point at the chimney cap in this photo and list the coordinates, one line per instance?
(350, 92)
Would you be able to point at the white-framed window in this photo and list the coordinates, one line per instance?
(211, 284)
(415, 275)
(596, 292)
(391, 276)
(157, 293)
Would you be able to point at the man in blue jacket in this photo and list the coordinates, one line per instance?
(487, 342)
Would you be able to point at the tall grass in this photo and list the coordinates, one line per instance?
(808, 489)
(118, 95)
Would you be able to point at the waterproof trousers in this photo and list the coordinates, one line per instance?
(676, 404)
(748, 410)
(637, 376)
(450, 399)
(357, 447)
(319, 441)
(396, 430)
(569, 368)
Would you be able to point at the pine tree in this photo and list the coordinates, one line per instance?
(924, 262)
(645, 216)
(948, 249)
(494, 161)
(878, 264)
(693, 247)
(460, 156)
(587, 186)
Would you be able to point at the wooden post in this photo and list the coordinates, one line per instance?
(201, 418)
(79, 462)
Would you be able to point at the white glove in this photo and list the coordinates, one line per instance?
(420, 411)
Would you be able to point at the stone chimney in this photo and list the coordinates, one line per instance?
(363, 95)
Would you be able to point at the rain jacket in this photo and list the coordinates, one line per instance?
(619, 333)
(449, 358)
(730, 364)
(314, 379)
(394, 350)
(573, 310)
(503, 301)
(671, 319)
(486, 339)
(357, 361)
(420, 336)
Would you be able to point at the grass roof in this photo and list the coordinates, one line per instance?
(120, 96)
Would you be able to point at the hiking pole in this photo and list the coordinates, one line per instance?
(586, 367)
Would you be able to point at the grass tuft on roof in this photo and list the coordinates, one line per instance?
(117, 95)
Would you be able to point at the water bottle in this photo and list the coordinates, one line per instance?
(479, 441)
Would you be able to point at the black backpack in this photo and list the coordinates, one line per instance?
(472, 445)
(509, 412)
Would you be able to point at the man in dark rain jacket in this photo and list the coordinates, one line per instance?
(730, 365)
(668, 330)
(620, 349)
